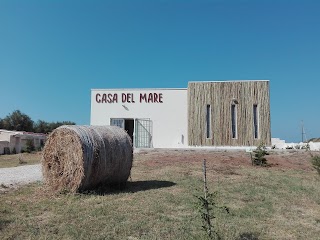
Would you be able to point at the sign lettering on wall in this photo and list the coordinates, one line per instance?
(129, 98)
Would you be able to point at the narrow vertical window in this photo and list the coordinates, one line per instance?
(208, 121)
(234, 121)
(255, 121)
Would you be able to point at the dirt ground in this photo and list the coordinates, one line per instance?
(221, 162)
(225, 160)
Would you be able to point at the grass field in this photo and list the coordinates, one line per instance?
(278, 202)
(20, 159)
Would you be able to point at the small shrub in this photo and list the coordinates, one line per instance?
(41, 143)
(259, 156)
(30, 146)
(207, 207)
(315, 160)
(14, 151)
(6, 150)
(306, 147)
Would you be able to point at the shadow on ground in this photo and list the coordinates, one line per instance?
(130, 187)
(147, 185)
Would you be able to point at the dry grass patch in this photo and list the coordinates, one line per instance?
(279, 202)
(20, 159)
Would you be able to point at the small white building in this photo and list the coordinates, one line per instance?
(15, 141)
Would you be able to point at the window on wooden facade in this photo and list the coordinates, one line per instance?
(208, 121)
(234, 121)
(255, 121)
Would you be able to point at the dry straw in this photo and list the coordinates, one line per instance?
(77, 158)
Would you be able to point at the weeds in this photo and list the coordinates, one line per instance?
(315, 160)
(21, 160)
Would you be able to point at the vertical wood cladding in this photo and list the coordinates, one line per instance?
(221, 95)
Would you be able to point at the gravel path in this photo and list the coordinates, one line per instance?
(12, 177)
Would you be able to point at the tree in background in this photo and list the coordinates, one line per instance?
(46, 127)
(17, 121)
(21, 122)
(41, 127)
(30, 146)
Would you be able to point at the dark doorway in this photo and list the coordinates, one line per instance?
(129, 127)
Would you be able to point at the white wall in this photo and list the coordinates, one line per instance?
(18, 139)
(9, 137)
(281, 144)
(5, 135)
(314, 146)
(169, 116)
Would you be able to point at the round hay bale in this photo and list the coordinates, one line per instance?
(77, 158)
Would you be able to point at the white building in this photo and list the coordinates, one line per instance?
(219, 113)
(15, 141)
(152, 117)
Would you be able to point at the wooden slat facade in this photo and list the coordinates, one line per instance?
(221, 95)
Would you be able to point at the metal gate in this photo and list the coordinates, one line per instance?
(143, 133)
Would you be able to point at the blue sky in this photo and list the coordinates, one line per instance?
(53, 52)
